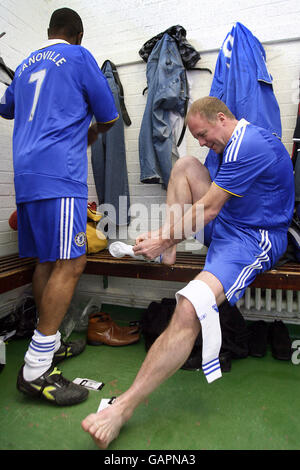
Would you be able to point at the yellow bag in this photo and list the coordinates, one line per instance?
(95, 239)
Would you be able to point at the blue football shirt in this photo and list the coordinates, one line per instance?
(53, 97)
(257, 170)
(242, 81)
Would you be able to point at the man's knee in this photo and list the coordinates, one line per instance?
(201, 297)
(44, 268)
(185, 315)
(214, 284)
(184, 164)
(79, 265)
(72, 267)
(194, 171)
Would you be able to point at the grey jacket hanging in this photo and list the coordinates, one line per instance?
(109, 154)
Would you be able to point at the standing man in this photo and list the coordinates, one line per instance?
(54, 94)
(247, 211)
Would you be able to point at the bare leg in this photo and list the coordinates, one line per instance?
(166, 355)
(162, 360)
(53, 290)
(39, 281)
(189, 181)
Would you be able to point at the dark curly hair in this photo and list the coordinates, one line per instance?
(67, 21)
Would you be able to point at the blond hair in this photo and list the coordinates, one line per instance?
(209, 107)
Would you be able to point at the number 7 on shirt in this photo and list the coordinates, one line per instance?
(37, 77)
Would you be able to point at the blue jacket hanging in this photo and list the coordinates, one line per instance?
(243, 83)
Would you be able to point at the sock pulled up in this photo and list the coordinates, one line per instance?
(203, 300)
(39, 355)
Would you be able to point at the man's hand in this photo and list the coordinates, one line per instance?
(150, 248)
(98, 128)
(92, 135)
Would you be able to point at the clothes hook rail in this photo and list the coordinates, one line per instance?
(209, 51)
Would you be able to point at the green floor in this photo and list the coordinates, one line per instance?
(253, 407)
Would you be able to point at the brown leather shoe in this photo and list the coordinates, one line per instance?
(103, 330)
(105, 317)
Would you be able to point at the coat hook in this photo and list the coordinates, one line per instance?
(2, 34)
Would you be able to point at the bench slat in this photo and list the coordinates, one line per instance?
(15, 271)
(187, 266)
(16, 277)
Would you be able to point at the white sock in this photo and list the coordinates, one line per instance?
(57, 341)
(57, 338)
(204, 302)
(120, 249)
(39, 355)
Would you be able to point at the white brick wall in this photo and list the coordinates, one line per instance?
(116, 30)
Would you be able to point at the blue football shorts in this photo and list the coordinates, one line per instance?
(52, 229)
(235, 255)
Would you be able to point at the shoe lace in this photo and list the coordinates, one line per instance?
(59, 379)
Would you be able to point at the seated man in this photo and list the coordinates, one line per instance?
(247, 211)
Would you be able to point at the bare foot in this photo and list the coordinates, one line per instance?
(104, 426)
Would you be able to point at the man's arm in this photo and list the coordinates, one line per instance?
(7, 104)
(211, 203)
(192, 221)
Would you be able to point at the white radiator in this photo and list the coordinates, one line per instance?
(270, 304)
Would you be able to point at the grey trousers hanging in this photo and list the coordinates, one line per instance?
(109, 155)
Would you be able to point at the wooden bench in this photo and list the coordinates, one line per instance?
(16, 272)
